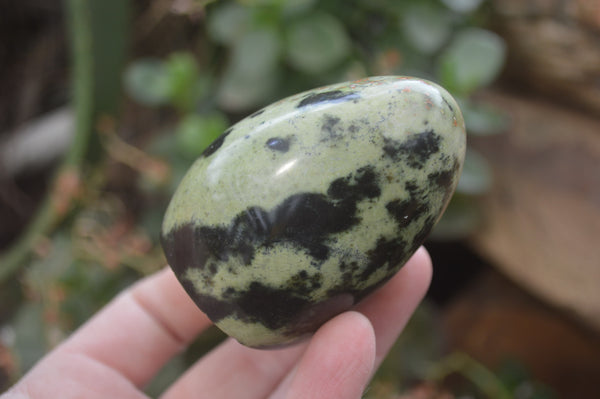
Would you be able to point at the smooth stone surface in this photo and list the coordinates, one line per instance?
(303, 208)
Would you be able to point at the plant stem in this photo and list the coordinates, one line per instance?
(96, 63)
(472, 370)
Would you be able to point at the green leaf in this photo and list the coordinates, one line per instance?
(88, 286)
(166, 146)
(462, 217)
(317, 43)
(146, 82)
(238, 93)
(251, 75)
(189, 7)
(227, 23)
(257, 53)
(176, 81)
(150, 220)
(426, 26)
(185, 86)
(482, 378)
(463, 6)
(476, 177)
(484, 119)
(44, 272)
(472, 60)
(109, 26)
(195, 132)
(262, 3)
(30, 342)
(518, 379)
(293, 8)
(420, 343)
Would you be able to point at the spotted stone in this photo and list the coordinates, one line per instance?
(299, 211)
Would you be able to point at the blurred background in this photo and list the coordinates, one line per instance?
(105, 104)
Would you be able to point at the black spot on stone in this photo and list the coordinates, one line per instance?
(311, 318)
(413, 188)
(178, 251)
(334, 96)
(215, 145)
(421, 236)
(330, 127)
(444, 179)
(346, 282)
(361, 185)
(237, 243)
(272, 307)
(275, 308)
(208, 242)
(214, 308)
(254, 115)
(192, 246)
(387, 253)
(278, 144)
(415, 150)
(406, 211)
(353, 128)
(307, 221)
(304, 284)
(342, 266)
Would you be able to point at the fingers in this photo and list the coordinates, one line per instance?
(140, 330)
(71, 375)
(337, 364)
(166, 301)
(125, 344)
(390, 307)
(235, 371)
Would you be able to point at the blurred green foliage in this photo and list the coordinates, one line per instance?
(419, 356)
(471, 61)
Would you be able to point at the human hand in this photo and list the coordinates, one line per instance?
(122, 347)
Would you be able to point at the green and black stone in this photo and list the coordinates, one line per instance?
(299, 211)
